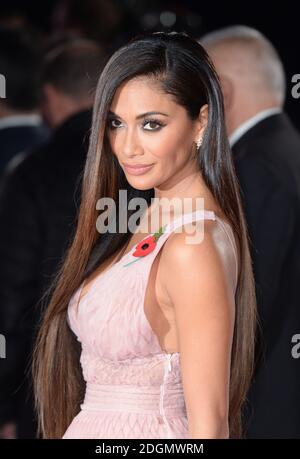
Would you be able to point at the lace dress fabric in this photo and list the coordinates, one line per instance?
(133, 386)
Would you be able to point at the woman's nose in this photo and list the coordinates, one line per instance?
(131, 144)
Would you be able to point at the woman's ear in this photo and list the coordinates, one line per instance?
(203, 119)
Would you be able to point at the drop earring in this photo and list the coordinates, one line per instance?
(199, 142)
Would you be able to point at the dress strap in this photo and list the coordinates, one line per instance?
(148, 250)
(184, 219)
(224, 230)
(190, 217)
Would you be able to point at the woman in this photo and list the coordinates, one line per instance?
(163, 329)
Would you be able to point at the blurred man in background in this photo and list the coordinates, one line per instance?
(21, 125)
(38, 209)
(266, 151)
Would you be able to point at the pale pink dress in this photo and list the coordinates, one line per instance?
(133, 387)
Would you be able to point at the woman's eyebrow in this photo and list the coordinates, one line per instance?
(110, 113)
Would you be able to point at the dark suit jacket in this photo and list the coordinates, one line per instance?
(267, 160)
(16, 139)
(38, 208)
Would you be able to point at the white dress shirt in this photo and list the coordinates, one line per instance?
(244, 127)
(20, 120)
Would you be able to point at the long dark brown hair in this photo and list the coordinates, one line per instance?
(183, 69)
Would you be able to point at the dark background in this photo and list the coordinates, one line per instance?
(279, 22)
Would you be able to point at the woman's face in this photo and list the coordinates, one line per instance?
(161, 143)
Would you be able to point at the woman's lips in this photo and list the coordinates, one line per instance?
(137, 170)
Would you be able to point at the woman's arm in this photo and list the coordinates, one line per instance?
(201, 291)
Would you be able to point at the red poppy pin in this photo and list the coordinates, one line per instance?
(147, 245)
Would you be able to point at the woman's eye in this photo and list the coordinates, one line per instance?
(111, 123)
(154, 125)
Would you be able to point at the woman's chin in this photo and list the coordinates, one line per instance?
(140, 183)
